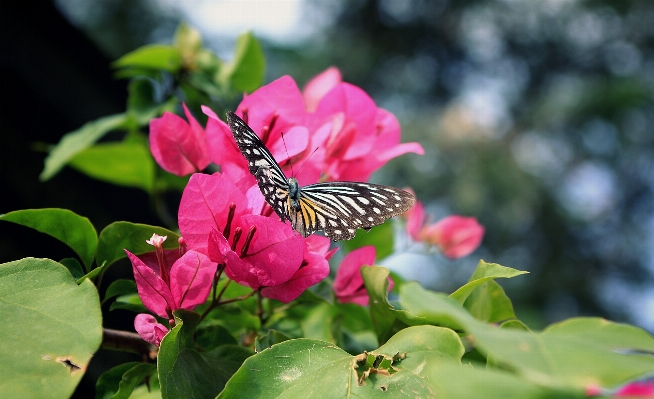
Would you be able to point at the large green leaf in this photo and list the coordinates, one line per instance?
(463, 382)
(304, 368)
(118, 236)
(77, 140)
(122, 163)
(186, 373)
(246, 71)
(50, 329)
(576, 353)
(154, 56)
(66, 226)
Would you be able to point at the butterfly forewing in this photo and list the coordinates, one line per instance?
(337, 208)
(270, 177)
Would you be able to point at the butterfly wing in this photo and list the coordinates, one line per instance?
(340, 208)
(270, 177)
(337, 208)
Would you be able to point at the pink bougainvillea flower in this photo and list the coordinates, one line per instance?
(348, 283)
(362, 138)
(165, 286)
(177, 146)
(320, 85)
(456, 236)
(291, 149)
(313, 269)
(260, 252)
(149, 329)
(416, 219)
(332, 132)
(643, 389)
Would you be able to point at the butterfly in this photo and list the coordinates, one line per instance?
(337, 208)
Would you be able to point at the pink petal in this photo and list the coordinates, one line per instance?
(149, 329)
(178, 147)
(416, 219)
(359, 109)
(154, 293)
(314, 271)
(191, 278)
(643, 389)
(197, 144)
(320, 85)
(348, 277)
(273, 256)
(205, 205)
(221, 146)
(320, 245)
(456, 235)
(282, 98)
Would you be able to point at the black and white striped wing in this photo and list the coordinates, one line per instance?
(270, 177)
(340, 208)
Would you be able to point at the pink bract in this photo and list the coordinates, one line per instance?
(189, 285)
(457, 236)
(348, 283)
(319, 86)
(643, 389)
(177, 146)
(149, 329)
(332, 132)
(261, 252)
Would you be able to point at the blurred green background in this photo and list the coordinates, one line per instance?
(536, 117)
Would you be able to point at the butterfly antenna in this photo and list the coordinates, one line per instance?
(305, 161)
(287, 155)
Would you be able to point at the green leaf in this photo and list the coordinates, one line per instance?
(304, 368)
(427, 307)
(212, 335)
(271, 338)
(381, 237)
(120, 381)
(484, 272)
(73, 267)
(51, 328)
(463, 382)
(124, 164)
(246, 71)
(141, 104)
(118, 236)
(490, 303)
(78, 140)
(129, 302)
(382, 313)
(119, 287)
(575, 353)
(66, 226)
(184, 372)
(91, 275)
(154, 56)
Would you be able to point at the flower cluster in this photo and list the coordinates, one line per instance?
(332, 129)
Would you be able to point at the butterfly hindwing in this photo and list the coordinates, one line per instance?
(343, 207)
(337, 208)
